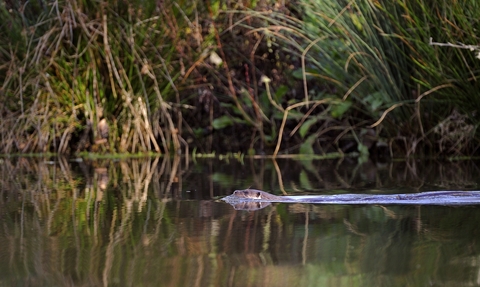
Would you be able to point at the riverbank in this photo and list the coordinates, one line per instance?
(312, 77)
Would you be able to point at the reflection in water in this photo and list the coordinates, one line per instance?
(132, 222)
(249, 205)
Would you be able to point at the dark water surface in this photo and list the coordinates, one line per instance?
(158, 222)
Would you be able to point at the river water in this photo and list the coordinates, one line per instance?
(159, 222)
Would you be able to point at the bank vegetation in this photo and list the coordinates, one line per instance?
(392, 78)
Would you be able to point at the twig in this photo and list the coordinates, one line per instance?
(459, 46)
(432, 90)
(231, 87)
(279, 176)
(265, 80)
(304, 118)
(108, 55)
(304, 74)
(341, 13)
(354, 87)
(385, 114)
(285, 114)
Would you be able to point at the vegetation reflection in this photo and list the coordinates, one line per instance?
(130, 223)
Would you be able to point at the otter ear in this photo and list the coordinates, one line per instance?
(258, 194)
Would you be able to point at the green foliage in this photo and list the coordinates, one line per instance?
(225, 121)
(339, 108)
(304, 181)
(307, 124)
(307, 146)
(351, 49)
(380, 56)
(91, 60)
(161, 76)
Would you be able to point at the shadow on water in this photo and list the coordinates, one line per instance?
(156, 222)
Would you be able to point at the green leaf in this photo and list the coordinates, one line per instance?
(245, 97)
(318, 95)
(364, 154)
(338, 109)
(198, 132)
(362, 149)
(222, 122)
(226, 105)
(215, 7)
(298, 74)
(265, 104)
(225, 121)
(292, 115)
(356, 21)
(304, 181)
(306, 126)
(221, 178)
(269, 138)
(307, 146)
(374, 100)
(308, 165)
(281, 91)
(375, 104)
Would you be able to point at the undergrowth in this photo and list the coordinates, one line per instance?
(273, 77)
(410, 91)
(89, 75)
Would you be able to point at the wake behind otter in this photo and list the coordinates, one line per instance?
(242, 198)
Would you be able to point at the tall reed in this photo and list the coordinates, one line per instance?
(380, 56)
(308, 76)
(93, 75)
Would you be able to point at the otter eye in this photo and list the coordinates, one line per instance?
(258, 194)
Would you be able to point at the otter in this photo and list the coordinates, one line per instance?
(239, 198)
(259, 195)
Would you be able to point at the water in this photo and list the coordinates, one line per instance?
(158, 222)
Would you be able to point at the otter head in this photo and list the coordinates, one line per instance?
(248, 193)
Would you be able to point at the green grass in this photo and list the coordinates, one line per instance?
(378, 55)
(310, 77)
(84, 62)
